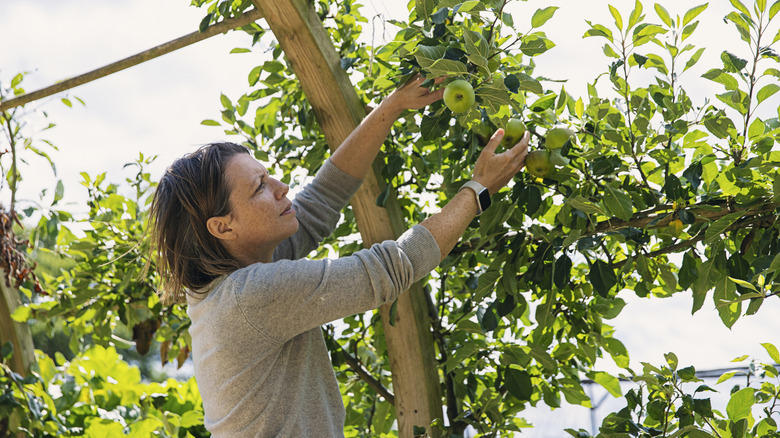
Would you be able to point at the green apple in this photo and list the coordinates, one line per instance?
(557, 137)
(459, 96)
(515, 129)
(538, 164)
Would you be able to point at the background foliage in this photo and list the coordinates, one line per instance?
(655, 195)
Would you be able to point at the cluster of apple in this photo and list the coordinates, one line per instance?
(459, 97)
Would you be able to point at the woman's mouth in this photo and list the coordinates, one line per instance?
(288, 210)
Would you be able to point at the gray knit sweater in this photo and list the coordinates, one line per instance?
(260, 358)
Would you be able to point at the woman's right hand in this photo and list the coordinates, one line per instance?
(493, 170)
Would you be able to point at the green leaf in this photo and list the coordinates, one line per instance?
(732, 62)
(598, 30)
(772, 350)
(693, 13)
(541, 16)
(694, 59)
(616, 15)
(618, 202)
(7, 350)
(424, 8)
(608, 381)
(688, 374)
(725, 297)
(726, 376)
(688, 30)
(767, 91)
(209, 122)
(475, 43)
(610, 52)
(204, 23)
(636, 15)
(447, 67)
(240, 50)
(562, 271)
(721, 77)
(58, 192)
(743, 283)
(741, 7)
(17, 80)
(719, 227)
(774, 9)
(756, 128)
(741, 404)
(742, 26)
(644, 33)
(471, 5)
(527, 83)
(618, 352)
(427, 55)
(602, 277)
(663, 14)
(707, 276)
(492, 98)
(584, 205)
(518, 383)
(533, 45)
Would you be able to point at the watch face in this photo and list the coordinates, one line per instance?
(484, 199)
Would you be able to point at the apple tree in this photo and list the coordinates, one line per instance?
(645, 192)
(652, 194)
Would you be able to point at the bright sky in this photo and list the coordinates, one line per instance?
(156, 109)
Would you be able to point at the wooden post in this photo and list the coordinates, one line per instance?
(18, 333)
(338, 109)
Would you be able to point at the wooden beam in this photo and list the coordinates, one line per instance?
(17, 333)
(338, 109)
(223, 26)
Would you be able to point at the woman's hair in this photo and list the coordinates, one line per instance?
(192, 190)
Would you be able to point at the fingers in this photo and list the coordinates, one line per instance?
(521, 147)
(495, 140)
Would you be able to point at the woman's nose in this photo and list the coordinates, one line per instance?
(281, 190)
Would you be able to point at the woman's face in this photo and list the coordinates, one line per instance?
(261, 215)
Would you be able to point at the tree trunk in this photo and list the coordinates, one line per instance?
(338, 108)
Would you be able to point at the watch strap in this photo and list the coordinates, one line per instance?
(480, 193)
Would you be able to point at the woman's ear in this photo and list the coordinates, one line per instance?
(219, 227)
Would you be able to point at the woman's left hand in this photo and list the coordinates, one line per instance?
(414, 96)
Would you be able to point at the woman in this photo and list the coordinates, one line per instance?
(226, 233)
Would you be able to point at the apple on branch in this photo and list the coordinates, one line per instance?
(515, 129)
(538, 163)
(459, 96)
(557, 137)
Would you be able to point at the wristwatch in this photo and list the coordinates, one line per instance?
(482, 194)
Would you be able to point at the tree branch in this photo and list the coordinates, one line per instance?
(223, 26)
(365, 376)
(647, 220)
(681, 246)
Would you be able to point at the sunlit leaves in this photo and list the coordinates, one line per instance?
(598, 30)
(608, 382)
(741, 403)
(663, 14)
(692, 13)
(543, 15)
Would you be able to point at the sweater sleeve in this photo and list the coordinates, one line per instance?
(285, 298)
(318, 209)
